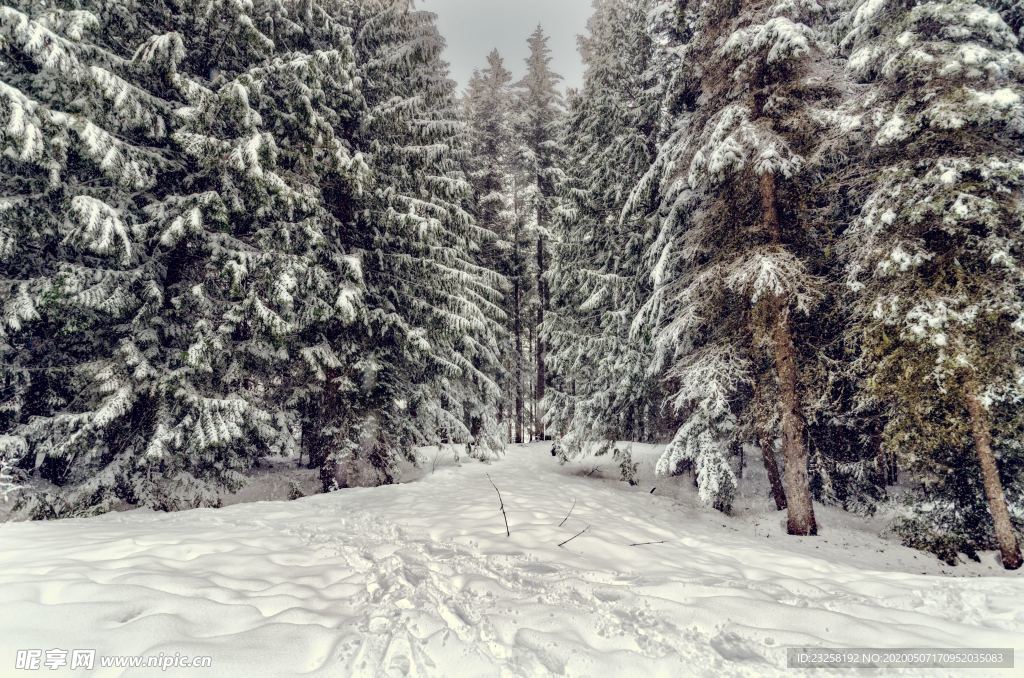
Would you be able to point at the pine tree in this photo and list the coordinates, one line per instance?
(598, 386)
(933, 261)
(539, 112)
(86, 127)
(739, 244)
(488, 111)
(236, 201)
(434, 312)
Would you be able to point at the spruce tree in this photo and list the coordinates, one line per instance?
(488, 111)
(933, 261)
(434, 313)
(740, 254)
(87, 125)
(598, 389)
(207, 211)
(538, 116)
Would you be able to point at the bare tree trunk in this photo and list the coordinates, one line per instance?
(766, 440)
(800, 519)
(542, 302)
(1006, 537)
(886, 466)
(517, 330)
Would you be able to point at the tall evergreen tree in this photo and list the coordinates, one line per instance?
(740, 274)
(598, 384)
(934, 261)
(539, 112)
(488, 110)
(181, 389)
(433, 309)
(238, 241)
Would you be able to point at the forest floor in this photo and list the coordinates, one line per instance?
(420, 579)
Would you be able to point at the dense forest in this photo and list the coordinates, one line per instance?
(240, 229)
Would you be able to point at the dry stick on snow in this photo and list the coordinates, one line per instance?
(508, 532)
(648, 543)
(568, 514)
(574, 536)
(433, 467)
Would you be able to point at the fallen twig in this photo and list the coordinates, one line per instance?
(574, 536)
(648, 543)
(508, 532)
(568, 514)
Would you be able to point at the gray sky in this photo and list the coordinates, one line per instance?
(475, 27)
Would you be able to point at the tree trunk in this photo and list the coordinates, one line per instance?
(800, 519)
(517, 330)
(767, 442)
(886, 467)
(1006, 537)
(542, 301)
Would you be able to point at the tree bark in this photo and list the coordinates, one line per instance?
(800, 519)
(767, 442)
(1006, 537)
(542, 301)
(886, 466)
(517, 330)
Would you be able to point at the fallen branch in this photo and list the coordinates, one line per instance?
(648, 543)
(574, 536)
(508, 532)
(568, 514)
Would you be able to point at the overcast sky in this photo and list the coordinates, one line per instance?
(473, 28)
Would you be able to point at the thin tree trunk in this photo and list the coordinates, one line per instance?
(766, 440)
(800, 519)
(886, 467)
(542, 301)
(1006, 537)
(517, 330)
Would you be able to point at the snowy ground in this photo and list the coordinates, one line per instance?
(420, 579)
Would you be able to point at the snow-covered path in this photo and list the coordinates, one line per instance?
(420, 580)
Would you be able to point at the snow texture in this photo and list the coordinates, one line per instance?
(419, 579)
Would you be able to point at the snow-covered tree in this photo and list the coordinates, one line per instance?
(488, 112)
(598, 383)
(733, 277)
(539, 114)
(434, 311)
(86, 128)
(223, 240)
(934, 261)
